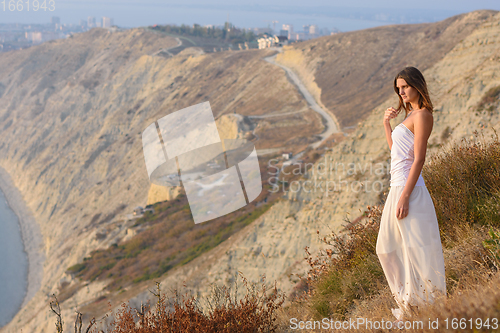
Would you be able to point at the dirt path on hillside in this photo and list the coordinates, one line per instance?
(331, 123)
(166, 50)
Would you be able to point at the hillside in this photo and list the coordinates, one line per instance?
(71, 140)
(349, 72)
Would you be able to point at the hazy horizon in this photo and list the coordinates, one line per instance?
(359, 14)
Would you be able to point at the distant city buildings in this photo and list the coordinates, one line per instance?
(55, 21)
(271, 41)
(287, 34)
(107, 22)
(286, 30)
(309, 32)
(83, 24)
(104, 22)
(33, 36)
(15, 36)
(37, 37)
(91, 22)
(310, 29)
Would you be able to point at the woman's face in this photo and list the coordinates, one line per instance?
(407, 93)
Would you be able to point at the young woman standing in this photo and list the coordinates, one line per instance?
(408, 244)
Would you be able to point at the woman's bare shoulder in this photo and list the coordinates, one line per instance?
(423, 115)
(423, 121)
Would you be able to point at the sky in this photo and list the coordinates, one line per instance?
(343, 15)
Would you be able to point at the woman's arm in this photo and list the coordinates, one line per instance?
(390, 113)
(423, 123)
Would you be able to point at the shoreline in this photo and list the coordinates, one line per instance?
(30, 233)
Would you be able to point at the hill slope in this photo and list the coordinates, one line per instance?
(349, 72)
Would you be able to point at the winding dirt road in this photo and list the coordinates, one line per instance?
(331, 123)
(166, 50)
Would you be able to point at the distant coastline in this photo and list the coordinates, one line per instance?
(30, 232)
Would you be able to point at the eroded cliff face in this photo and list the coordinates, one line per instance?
(72, 113)
(80, 156)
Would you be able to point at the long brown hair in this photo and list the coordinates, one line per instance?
(415, 79)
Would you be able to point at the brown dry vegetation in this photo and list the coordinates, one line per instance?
(256, 312)
(224, 313)
(464, 182)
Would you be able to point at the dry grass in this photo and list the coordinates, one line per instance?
(342, 275)
(469, 272)
(346, 282)
(225, 313)
(464, 183)
(471, 275)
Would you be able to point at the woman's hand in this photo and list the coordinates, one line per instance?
(390, 113)
(403, 207)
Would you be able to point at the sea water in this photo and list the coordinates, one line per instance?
(13, 263)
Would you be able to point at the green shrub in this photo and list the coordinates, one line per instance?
(75, 269)
(493, 245)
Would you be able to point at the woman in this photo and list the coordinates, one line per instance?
(408, 244)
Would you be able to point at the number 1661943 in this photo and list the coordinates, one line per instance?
(478, 323)
(27, 5)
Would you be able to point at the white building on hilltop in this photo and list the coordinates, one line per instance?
(267, 41)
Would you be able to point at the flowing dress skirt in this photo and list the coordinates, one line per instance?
(410, 250)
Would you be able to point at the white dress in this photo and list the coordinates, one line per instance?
(410, 249)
